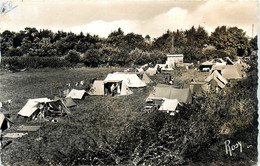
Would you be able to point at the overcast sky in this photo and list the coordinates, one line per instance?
(151, 17)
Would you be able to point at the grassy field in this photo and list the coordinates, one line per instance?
(93, 119)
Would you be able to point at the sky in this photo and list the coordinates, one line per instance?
(146, 17)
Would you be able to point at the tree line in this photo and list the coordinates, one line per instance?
(126, 49)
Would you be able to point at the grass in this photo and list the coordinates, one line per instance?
(93, 119)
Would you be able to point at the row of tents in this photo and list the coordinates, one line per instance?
(220, 73)
(114, 83)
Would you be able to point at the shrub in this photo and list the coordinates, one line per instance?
(73, 56)
(33, 62)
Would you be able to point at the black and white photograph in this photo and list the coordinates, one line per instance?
(128, 82)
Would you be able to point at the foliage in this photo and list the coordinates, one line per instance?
(120, 49)
(73, 56)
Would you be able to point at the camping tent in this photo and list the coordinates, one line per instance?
(67, 101)
(105, 87)
(197, 87)
(151, 71)
(31, 106)
(163, 67)
(4, 122)
(131, 80)
(146, 79)
(229, 61)
(97, 88)
(76, 94)
(216, 80)
(232, 72)
(34, 107)
(169, 105)
(162, 91)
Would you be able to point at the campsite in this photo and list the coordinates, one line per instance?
(128, 83)
(97, 121)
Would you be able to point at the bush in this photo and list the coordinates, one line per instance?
(73, 56)
(33, 62)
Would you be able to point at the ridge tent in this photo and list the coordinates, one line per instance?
(151, 71)
(229, 61)
(116, 87)
(43, 106)
(31, 106)
(110, 87)
(97, 88)
(146, 79)
(232, 72)
(197, 87)
(68, 102)
(169, 105)
(131, 80)
(162, 91)
(56, 107)
(76, 94)
(215, 79)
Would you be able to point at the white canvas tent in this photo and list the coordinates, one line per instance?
(151, 71)
(76, 94)
(97, 88)
(101, 87)
(131, 80)
(43, 106)
(216, 79)
(169, 105)
(146, 79)
(31, 106)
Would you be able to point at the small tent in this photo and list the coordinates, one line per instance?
(67, 101)
(169, 105)
(131, 80)
(43, 106)
(232, 72)
(146, 79)
(76, 94)
(151, 71)
(29, 109)
(197, 87)
(162, 91)
(216, 79)
(5, 124)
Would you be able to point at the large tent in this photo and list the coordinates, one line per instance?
(169, 105)
(162, 91)
(131, 80)
(114, 87)
(97, 88)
